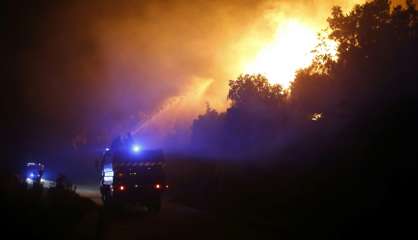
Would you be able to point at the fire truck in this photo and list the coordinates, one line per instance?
(131, 175)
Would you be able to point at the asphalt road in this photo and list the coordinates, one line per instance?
(174, 221)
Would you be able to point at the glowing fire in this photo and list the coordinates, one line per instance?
(290, 50)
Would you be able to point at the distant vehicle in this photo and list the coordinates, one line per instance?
(132, 176)
(33, 173)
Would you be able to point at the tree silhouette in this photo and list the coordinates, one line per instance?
(377, 54)
(251, 123)
(375, 73)
(206, 130)
(254, 90)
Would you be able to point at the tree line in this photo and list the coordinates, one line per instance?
(374, 77)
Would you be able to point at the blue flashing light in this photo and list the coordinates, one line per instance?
(31, 175)
(136, 148)
(107, 149)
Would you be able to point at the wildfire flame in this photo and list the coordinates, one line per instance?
(291, 49)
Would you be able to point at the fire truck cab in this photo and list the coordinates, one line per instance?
(132, 176)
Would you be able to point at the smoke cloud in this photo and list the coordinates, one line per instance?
(102, 68)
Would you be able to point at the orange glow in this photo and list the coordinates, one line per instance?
(290, 50)
(179, 75)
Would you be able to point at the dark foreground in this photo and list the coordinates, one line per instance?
(174, 221)
(64, 214)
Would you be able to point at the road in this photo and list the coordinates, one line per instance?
(174, 221)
